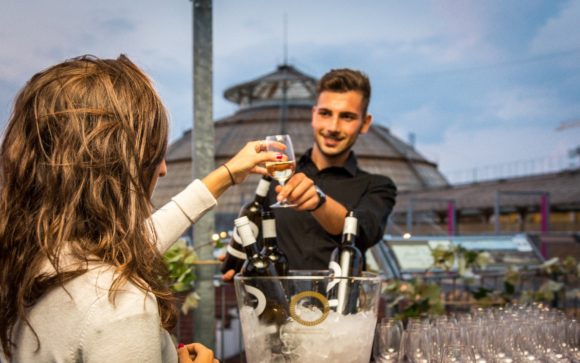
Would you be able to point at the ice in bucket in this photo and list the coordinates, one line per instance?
(314, 332)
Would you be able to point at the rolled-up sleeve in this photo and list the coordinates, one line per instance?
(373, 210)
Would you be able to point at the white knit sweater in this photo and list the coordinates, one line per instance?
(79, 324)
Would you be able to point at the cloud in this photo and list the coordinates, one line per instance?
(424, 122)
(37, 34)
(463, 150)
(528, 104)
(560, 32)
(446, 70)
(319, 23)
(441, 32)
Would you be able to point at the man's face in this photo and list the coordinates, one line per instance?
(337, 120)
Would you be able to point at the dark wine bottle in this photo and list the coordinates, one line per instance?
(345, 261)
(269, 294)
(271, 249)
(235, 255)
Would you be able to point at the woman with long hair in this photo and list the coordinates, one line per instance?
(81, 271)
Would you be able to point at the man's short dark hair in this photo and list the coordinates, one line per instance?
(345, 80)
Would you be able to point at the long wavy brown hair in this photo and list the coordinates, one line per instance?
(78, 157)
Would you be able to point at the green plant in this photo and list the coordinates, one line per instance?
(445, 257)
(415, 298)
(180, 261)
(556, 274)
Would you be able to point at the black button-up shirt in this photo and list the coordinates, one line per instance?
(372, 197)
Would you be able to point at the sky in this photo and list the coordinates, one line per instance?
(482, 84)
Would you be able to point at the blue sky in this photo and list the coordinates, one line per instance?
(479, 82)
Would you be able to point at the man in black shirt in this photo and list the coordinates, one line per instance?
(328, 182)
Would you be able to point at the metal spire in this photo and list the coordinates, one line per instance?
(284, 104)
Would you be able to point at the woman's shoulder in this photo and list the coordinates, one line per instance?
(94, 298)
(97, 290)
(82, 316)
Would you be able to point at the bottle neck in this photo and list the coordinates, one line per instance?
(349, 231)
(348, 239)
(262, 190)
(270, 243)
(252, 249)
(247, 236)
(269, 232)
(258, 199)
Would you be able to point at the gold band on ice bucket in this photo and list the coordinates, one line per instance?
(316, 295)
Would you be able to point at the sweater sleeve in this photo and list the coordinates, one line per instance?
(170, 221)
(127, 330)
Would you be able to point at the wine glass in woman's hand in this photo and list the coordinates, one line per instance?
(281, 170)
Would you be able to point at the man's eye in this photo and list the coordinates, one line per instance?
(324, 113)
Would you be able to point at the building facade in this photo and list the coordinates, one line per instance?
(281, 102)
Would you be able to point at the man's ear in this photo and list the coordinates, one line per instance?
(367, 121)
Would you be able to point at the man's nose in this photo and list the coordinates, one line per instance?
(333, 124)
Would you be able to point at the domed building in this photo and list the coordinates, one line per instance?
(281, 102)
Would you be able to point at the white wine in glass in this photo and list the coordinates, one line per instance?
(284, 169)
(281, 170)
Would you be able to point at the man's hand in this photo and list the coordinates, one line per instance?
(229, 275)
(299, 190)
(195, 353)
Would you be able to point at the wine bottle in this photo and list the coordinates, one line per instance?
(271, 249)
(345, 261)
(235, 255)
(271, 302)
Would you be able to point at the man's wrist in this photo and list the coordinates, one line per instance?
(321, 199)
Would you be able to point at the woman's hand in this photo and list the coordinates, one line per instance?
(199, 352)
(249, 158)
(236, 170)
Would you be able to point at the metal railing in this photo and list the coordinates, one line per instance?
(519, 168)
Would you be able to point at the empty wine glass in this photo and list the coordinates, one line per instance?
(417, 345)
(281, 170)
(387, 341)
(458, 353)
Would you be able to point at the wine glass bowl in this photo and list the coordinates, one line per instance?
(387, 341)
(281, 170)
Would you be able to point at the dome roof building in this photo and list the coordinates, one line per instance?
(281, 102)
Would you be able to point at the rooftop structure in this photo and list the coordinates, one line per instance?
(284, 99)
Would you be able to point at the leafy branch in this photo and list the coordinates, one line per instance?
(180, 260)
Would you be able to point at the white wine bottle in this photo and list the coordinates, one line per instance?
(235, 255)
(345, 261)
(271, 249)
(271, 302)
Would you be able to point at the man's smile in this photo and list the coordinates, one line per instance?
(331, 140)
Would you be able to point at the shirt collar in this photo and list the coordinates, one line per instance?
(350, 166)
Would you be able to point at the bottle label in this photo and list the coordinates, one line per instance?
(336, 271)
(246, 234)
(259, 295)
(262, 188)
(238, 254)
(269, 228)
(350, 224)
(236, 235)
(345, 259)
